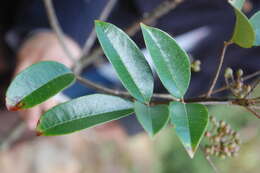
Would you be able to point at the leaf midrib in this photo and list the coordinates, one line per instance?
(129, 74)
(168, 66)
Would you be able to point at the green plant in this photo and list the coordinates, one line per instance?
(189, 116)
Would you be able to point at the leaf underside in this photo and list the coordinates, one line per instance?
(255, 21)
(238, 3)
(38, 83)
(243, 34)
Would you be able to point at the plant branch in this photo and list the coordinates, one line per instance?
(166, 98)
(223, 88)
(92, 37)
(149, 19)
(56, 28)
(253, 112)
(214, 81)
(254, 85)
(257, 73)
(212, 164)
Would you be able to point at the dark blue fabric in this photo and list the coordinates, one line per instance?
(75, 16)
(93, 75)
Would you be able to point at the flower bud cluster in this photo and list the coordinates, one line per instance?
(238, 88)
(222, 140)
(195, 66)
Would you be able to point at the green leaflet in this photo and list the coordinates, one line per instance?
(127, 59)
(37, 83)
(83, 112)
(190, 122)
(170, 60)
(255, 21)
(243, 34)
(152, 118)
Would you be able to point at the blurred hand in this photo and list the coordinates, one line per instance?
(41, 47)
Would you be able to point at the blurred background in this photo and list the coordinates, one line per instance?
(199, 26)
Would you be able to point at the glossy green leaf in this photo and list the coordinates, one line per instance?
(83, 112)
(37, 83)
(255, 21)
(152, 118)
(237, 3)
(243, 34)
(170, 60)
(190, 122)
(127, 59)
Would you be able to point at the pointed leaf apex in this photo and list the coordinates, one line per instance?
(191, 152)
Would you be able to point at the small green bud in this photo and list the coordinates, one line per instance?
(239, 73)
(222, 124)
(195, 66)
(228, 73)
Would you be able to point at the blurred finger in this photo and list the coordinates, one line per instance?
(31, 116)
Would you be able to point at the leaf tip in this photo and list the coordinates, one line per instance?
(191, 153)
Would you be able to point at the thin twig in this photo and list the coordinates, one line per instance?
(149, 19)
(214, 81)
(160, 98)
(254, 85)
(257, 73)
(92, 37)
(255, 107)
(212, 164)
(56, 28)
(252, 111)
(223, 88)
(209, 160)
